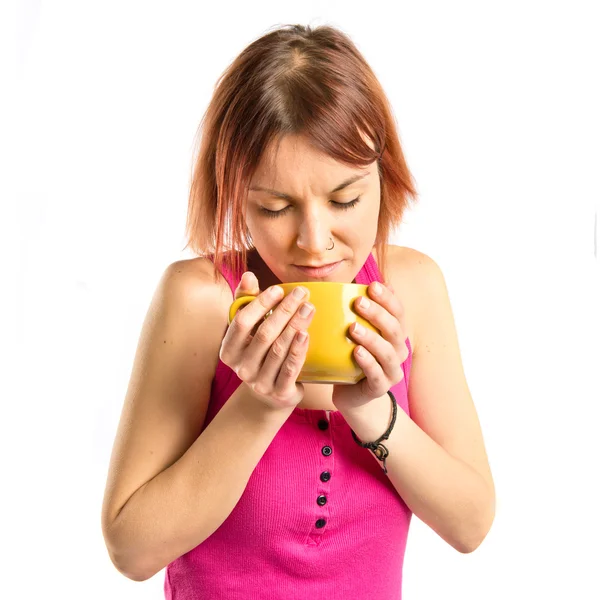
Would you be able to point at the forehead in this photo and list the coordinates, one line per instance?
(293, 156)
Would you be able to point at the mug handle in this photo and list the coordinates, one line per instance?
(242, 301)
(237, 304)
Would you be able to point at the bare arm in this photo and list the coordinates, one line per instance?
(164, 466)
(162, 521)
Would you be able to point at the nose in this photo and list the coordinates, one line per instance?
(314, 235)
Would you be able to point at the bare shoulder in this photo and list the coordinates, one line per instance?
(191, 285)
(416, 277)
(403, 266)
(192, 274)
(187, 291)
(409, 260)
(191, 293)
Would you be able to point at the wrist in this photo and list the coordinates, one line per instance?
(370, 420)
(257, 407)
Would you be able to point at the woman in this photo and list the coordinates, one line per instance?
(239, 480)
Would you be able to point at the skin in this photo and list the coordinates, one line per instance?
(303, 233)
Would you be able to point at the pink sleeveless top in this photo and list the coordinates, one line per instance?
(319, 519)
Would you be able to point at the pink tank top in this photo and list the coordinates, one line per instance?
(318, 519)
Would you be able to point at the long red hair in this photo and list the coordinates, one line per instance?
(294, 80)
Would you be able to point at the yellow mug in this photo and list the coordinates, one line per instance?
(329, 358)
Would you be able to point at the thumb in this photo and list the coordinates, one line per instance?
(248, 285)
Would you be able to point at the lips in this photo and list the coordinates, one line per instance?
(316, 266)
(321, 271)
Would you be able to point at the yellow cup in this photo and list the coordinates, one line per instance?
(329, 358)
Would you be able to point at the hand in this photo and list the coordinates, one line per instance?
(383, 354)
(267, 354)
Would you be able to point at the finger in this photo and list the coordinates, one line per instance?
(292, 365)
(248, 285)
(384, 295)
(389, 287)
(387, 323)
(279, 350)
(270, 330)
(380, 349)
(375, 383)
(237, 337)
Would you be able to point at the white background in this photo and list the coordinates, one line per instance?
(497, 108)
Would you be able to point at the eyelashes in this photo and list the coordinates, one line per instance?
(278, 213)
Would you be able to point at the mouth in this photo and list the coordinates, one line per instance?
(320, 271)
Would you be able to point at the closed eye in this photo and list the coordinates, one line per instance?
(279, 213)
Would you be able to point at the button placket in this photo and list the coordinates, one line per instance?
(324, 477)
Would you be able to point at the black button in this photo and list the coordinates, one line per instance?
(321, 500)
(320, 523)
(326, 451)
(325, 476)
(323, 424)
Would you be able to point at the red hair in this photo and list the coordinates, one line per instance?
(294, 80)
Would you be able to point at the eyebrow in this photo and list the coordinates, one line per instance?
(342, 185)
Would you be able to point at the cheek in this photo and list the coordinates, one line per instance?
(256, 226)
(367, 216)
(266, 236)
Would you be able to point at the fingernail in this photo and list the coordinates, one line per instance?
(299, 292)
(358, 329)
(305, 310)
(376, 288)
(275, 291)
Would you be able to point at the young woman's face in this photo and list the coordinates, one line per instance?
(299, 228)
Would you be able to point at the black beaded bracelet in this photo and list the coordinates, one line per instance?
(380, 451)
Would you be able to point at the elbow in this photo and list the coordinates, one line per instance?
(472, 536)
(136, 576)
(466, 546)
(124, 562)
(129, 570)
(133, 574)
(470, 543)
